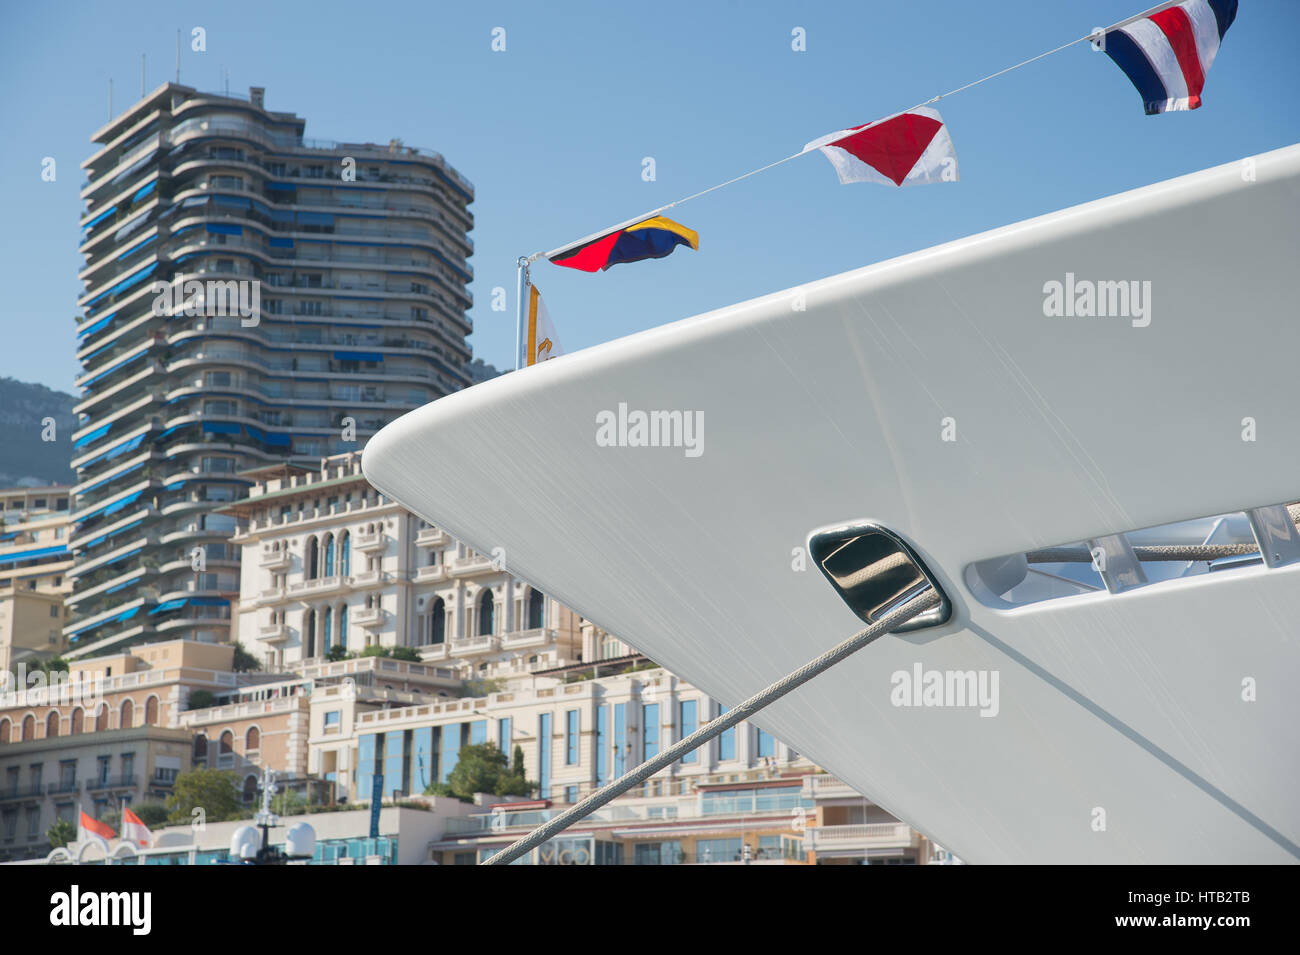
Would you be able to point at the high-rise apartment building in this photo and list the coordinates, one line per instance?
(250, 297)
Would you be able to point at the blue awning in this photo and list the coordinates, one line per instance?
(220, 427)
(125, 502)
(278, 440)
(276, 242)
(209, 601)
(123, 448)
(17, 555)
(127, 614)
(8, 537)
(358, 356)
(134, 467)
(100, 218)
(220, 228)
(135, 248)
(144, 191)
(235, 201)
(126, 583)
(281, 187)
(96, 326)
(169, 605)
(93, 436)
(121, 557)
(112, 368)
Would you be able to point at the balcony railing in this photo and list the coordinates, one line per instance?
(275, 559)
(111, 782)
(62, 786)
(22, 792)
(826, 786)
(482, 644)
(881, 835)
(519, 639)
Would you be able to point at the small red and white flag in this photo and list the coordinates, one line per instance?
(92, 830)
(134, 831)
(906, 150)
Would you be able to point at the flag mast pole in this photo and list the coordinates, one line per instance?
(522, 289)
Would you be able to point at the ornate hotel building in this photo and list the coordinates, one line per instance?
(251, 296)
(330, 565)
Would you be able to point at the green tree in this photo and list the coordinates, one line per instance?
(336, 653)
(244, 661)
(61, 833)
(405, 653)
(375, 650)
(200, 699)
(211, 790)
(517, 762)
(482, 768)
(152, 814)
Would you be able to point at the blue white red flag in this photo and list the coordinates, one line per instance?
(1167, 54)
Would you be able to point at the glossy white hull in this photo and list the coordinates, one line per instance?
(1066, 429)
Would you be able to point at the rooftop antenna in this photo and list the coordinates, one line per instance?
(142, 76)
(110, 98)
(178, 56)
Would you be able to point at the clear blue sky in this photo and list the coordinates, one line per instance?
(552, 132)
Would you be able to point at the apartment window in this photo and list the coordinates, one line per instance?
(570, 794)
(544, 756)
(689, 717)
(67, 774)
(128, 765)
(54, 610)
(649, 731)
(571, 737)
(11, 779)
(103, 767)
(726, 739)
(9, 825)
(766, 745)
(219, 379)
(333, 721)
(717, 850)
(33, 822)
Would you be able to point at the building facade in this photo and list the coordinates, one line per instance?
(34, 565)
(330, 564)
(250, 296)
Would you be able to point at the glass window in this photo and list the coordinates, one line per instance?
(717, 850)
(544, 756)
(726, 739)
(689, 711)
(571, 737)
(602, 740)
(649, 731)
(766, 744)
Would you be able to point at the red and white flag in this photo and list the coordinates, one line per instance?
(134, 831)
(906, 150)
(92, 830)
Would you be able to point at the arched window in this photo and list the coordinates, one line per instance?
(327, 630)
(328, 547)
(151, 711)
(78, 720)
(345, 554)
(252, 740)
(438, 622)
(52, 724)
(536, 609)
(486, 616)
(250, 788)
(309, 559)
(29, 727)
(101, 718)
(126, 718)
(343, 626)
(201, 748)
(6, 727)
(309, 634)
(226, 750)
